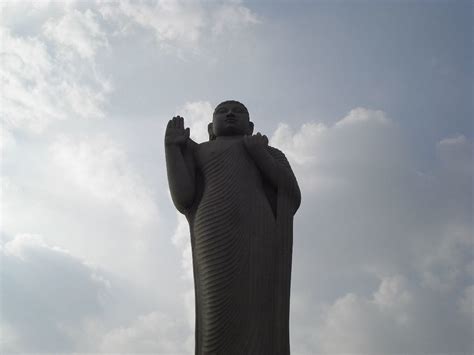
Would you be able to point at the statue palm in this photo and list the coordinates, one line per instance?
(175, 132)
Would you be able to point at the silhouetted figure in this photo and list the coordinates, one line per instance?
(239, 196)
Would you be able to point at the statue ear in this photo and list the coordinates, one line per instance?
(250, 130)
(210, 130)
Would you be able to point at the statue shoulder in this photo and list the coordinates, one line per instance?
(277, 153)
(279, 156)
(190, 144)
(274, 150)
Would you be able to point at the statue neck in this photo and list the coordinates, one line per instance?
(229, 138)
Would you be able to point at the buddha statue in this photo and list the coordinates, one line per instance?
(239, 196)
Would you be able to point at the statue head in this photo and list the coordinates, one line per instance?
(230, 118)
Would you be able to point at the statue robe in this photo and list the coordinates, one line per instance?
(241, 236)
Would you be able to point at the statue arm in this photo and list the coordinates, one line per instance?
(274, 167)
(180, 164)
(288, 181)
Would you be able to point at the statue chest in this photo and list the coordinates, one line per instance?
(210, 151)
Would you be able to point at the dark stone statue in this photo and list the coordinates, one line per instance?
(239, 196)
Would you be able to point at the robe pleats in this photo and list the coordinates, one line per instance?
(242, 246)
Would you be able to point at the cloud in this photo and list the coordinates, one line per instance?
(43, 83)
(456, 154)
(181, 239)
(232, 16)
(54, 302)
(171, 21)
(7, 140)
(197, 115)
(313, 143)
(18, 13)
(398, 318)
(446, 266)
(155, 332)
(79, 31)
(364, 142)
(178, 25)
(371, 217)
(25, 67)
(354, 324)
(100, 167)
(50, 70)
(361, 114)
(46, 294)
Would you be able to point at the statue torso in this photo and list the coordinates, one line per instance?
(207, 150)
(229, 160)
(234, 234)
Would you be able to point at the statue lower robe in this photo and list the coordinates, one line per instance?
(241, 234)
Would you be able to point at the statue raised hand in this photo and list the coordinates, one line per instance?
(180, 163)
(175, 131)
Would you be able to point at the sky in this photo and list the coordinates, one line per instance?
(371, 101)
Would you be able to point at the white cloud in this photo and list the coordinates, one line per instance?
(25, 67)
(7, 140)
(197, 115)
(315, 142)
(363, 142)
(171, 21)
(15, 13)
(456, 154)
(377, 325)
(446, 265)
(41, 85)
(49, 70)
(179, 25)
(155, 333)
(100, 167)
(181, 239)
(22, 244)
(368, 212)
(361, 114)
(77, 30)
(54, 302)
(232, 16)
(45, 292)
(299, 146)
(397, 318)
(9, 337)
(393, 294)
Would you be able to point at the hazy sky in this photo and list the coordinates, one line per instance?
(371, 101)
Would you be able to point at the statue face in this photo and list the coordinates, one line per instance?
(231, 119)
